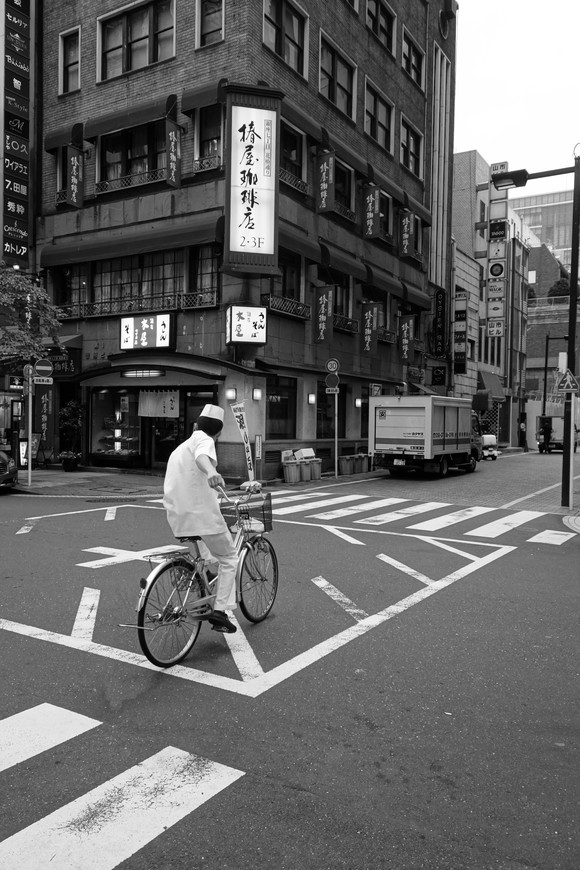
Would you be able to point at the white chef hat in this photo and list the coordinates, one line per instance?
(214, 412)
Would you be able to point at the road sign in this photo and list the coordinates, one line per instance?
(43, 368)
(332, 380)
(38, 380)
(332, 365)
(567, 383)
(333, 390)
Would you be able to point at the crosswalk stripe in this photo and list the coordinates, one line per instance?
(33, 731)
(450, 519)
(283, 498)
(105, 826)
(292, 509)
(382, 519)
(499, 527)
(357, 508)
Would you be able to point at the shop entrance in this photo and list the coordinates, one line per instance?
(165, 436)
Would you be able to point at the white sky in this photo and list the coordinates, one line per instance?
(518, 86)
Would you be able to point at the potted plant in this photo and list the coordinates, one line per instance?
(70, 419)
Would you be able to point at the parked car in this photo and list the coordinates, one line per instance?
(8, 471)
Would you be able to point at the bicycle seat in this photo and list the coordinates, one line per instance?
(190, 538)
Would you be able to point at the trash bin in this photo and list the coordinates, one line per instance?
(357, 464)
(345, 464)
(304, 469)
(315, 469)
(291, 471)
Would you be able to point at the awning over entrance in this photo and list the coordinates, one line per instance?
(490, 382)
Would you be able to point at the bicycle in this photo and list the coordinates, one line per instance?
(178, 594)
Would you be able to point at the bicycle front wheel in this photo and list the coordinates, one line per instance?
(167, 630)
(258, 579)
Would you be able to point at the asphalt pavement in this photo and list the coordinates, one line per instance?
(531, 480)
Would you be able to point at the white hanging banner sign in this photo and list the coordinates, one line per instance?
(239, 412)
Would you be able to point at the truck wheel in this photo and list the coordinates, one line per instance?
(443, 467)
(472, 464)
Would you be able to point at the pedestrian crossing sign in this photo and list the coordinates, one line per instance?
(567, 383)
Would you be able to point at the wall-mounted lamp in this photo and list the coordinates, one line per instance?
(231, 394)
(358, 403)
(256, 394)
(311, 398)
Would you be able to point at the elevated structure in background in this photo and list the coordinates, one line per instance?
(549, 217)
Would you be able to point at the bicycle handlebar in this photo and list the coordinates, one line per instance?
(250, 486)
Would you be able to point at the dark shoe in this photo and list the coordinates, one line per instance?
(220, 622)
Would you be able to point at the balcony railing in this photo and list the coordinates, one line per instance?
(386, 335)
(344, 212)
(548, 301)
(345, 324)
(204, 164)
(284, 305)
(135, 180)
(166, 302)
(293, 181)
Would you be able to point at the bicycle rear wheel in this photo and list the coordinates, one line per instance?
(258, 575)
(167, 629)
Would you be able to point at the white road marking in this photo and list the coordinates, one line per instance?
(103, 828)
(23, 530)
(33, 731)
(118, 556)
(269, 679)
(450, 519)
(538, 492)
(340, 534)
(505, 524)
(337, 499)
(303, 496)
(549, 536)
(111, 514)
(87, 614)
(417, 575)
(357, 508)
(403, 513)
(242, 653)
(347, 605)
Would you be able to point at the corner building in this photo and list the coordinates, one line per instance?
(233, 194)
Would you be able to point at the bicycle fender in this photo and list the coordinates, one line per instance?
(152, 577)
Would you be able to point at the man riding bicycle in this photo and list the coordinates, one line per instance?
(192, 505)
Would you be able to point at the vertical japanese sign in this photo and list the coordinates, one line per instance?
(407, 234)
(16, 125)
(323, 330)
(43, 414)
(370, 312)
(74, 177)
(372, 213)
(239, 412)
(406, 336)
(325, 181)
(439, 323)
(150, 331)
(251, 238)
(173, 151)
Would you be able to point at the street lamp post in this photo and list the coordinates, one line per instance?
(519, 178)
(549, 338)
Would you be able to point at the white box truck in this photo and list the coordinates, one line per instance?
(556, 442)
(423, 433)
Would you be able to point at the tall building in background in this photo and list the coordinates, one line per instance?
(231, 195)
(549, 217)
(488, 232)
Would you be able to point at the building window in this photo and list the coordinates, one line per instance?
(289, 282)
(285, 32)
(413, 60)
(411, 148)
(133, 280)
(211, 22)
(381, 20)
(292, 151)
(134, 156)
(210, 131)
(325, 415)
(337, 78)
(343, 185)
(137, 38)
(204, 269)
(378, 118)
(280, 408)
(70, 62)
(386, 215)
(342, 290)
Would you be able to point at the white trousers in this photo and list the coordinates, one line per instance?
(220, 548)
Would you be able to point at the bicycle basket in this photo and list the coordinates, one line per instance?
(228, 511)
(255, 513)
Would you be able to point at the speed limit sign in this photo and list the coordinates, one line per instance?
(332, 365)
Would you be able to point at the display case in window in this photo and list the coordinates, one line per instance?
(116, 432)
